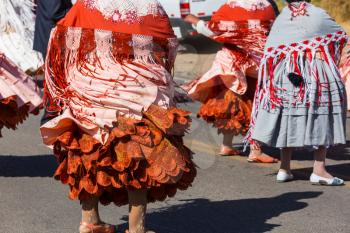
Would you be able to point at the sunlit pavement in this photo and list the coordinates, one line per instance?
(229, 194)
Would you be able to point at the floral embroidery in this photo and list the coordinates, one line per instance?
(129, 11)
(298, 10)
(250, 5)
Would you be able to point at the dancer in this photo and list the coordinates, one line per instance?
(48, 13)
(119, 138)
(18, 95)
(227, 89)
(345, 73)
(301, 100)
(17, 33)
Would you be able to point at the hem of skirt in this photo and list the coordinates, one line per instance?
(11, 115)
(229, 113)
(144, 154)
(307, 146)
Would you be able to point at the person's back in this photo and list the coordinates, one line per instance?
(49, 12)
(301, 99)
(227, 89)
(108, 72)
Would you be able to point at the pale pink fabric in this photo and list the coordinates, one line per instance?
(241, 26)
(98, 86)
(225, 67)
(14, 82)
(116, 90)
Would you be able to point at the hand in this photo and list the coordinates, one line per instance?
(192, 19)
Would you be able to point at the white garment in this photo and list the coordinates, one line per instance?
(203, 29)
(17, 33)
(250, 5)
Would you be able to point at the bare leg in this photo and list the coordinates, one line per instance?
(137, 211)
(286, 157)
(320, 163)
(89, 214)
(257, 155)
(227, 140)
(226, 147)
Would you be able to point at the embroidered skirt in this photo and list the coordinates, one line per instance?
(138, 154)
(320, 121)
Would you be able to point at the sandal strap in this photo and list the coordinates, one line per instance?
(263, 159)
(92, 227)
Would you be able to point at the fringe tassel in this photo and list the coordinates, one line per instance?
(298, 58)
(77, 46)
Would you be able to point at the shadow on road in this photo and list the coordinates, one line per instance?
(239, 216)
(27, 166)
(337, 153)
(340, 170)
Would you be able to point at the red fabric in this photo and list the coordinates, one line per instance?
(232, 26)
(81, 16)
(222, 90)
(228, 13)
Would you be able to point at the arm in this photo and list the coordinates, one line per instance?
(199, 25)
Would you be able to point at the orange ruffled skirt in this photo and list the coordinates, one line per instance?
(139, 154)
(228, 111)
(11, 114)
(18, 95)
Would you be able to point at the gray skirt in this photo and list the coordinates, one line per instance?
(310, 130)
(321, 122)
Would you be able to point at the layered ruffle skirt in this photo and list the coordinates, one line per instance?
(138, 154)
(18, 95)
(119, 129)
(227, 111)
(226, 93)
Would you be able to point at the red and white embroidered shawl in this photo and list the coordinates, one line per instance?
(243, 23)
(242, 26)
(301, 36)
(110, 58)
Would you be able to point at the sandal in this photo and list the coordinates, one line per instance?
(262, 159)
(127, 231)
(229, 152)
(98, 228)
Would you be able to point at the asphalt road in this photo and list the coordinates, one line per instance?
(228, 196)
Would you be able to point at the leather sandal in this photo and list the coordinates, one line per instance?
(262, 159)
(97, 228)
(229, 152)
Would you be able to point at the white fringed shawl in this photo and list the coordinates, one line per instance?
(300, 35)
(17, 32)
